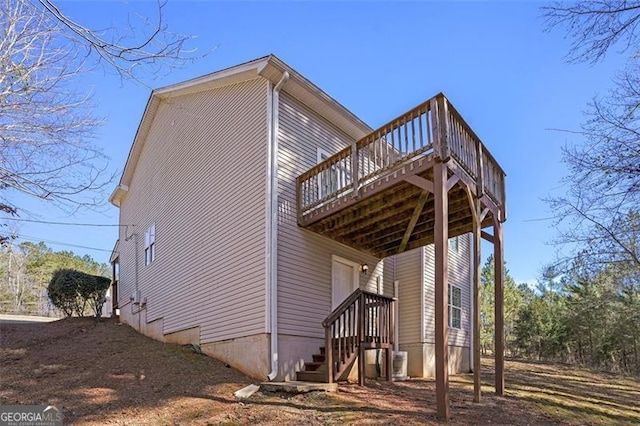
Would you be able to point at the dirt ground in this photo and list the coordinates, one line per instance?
(106, 373)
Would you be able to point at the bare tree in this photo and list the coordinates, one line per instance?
(144, 47)
(47, 122)
(595, 26)
(599, 216)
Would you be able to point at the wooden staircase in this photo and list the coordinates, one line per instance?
(316, 370)
(363, 321)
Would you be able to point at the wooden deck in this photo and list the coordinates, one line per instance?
(420, 179)
(377, 195)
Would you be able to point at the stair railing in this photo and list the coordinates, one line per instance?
(363, 321)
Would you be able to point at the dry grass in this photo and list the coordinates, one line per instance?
(574, 395)
(106, 373)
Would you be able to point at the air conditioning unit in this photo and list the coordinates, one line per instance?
(136, 297)
(399, 365)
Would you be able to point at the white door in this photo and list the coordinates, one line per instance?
(344, 280)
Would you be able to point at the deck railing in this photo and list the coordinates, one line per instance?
(474, 158)
(433, 127)
(363, 321)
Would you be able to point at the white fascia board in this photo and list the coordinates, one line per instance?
(269, 67)
(116, 196)
(311, 95)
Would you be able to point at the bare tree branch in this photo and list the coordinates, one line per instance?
(149, 47)
(47, 120)
(595, 26)
(599, 215)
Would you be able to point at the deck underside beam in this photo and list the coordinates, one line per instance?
(414, 219)
(398, 216)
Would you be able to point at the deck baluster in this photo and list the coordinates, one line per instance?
(442, 133)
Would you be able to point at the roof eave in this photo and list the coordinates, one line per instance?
(227, 76)
(311, 95)
(118, 194)
(269, 67)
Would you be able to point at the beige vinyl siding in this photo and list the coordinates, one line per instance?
(201, 179)
(429, 299)
(407, 271)
(127, 259)
(389, 276)
(304, 258)
(459, 275)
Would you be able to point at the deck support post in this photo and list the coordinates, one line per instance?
(477, 239)
(441, 235)
(443, 128)
(499, 305)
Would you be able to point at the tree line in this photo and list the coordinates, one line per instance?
(586, 308)
(586, 316)
(26, 270)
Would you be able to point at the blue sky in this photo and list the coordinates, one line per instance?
(506, 76)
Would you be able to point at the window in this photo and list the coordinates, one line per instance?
(322, 155)
(327, 177)
(454, 244)
(150, 245)
(332, 179)
(455, 307)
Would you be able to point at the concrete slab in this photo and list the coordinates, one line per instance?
(298, 387)
(246, 392)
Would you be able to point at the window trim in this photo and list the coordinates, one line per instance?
(150, 245)
(452, 307)
(454, 244)
(334, 178)
(322, 154)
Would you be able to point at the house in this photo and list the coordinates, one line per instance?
(262, 220)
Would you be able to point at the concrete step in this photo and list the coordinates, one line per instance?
(298, 387)
(311, 376)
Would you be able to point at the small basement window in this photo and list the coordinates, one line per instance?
(150, 245)
(455, 306)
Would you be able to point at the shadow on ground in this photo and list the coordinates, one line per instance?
(575, 395)
(104, 372)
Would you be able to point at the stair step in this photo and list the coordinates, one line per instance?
(335, 346)
(313, 366)
(318, 358)
(323, 350)
(311, 376)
